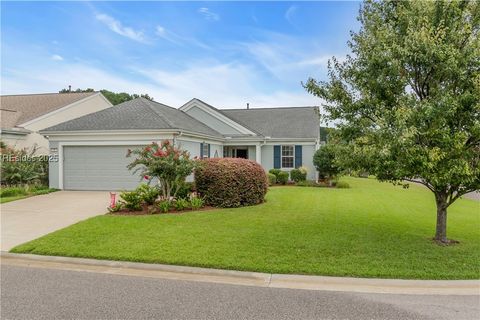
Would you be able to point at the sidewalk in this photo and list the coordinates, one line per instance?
(363, 285)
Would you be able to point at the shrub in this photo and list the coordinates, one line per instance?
(231, 182)
(147, 193)
(298, 174)
(196, 203)
(274, 171)
(117, 207)
(342, 185)
(42, 191)
(181, 204)
(13, 191)
(163, 206)
(23, 166)
(272, 179)
(282, 177)
(168, 164)
(324, 161)
(185, 189)
(131, 200)
(25, 190)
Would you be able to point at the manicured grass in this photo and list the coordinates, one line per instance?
(370, 230)
(13, 198)
(22, 193)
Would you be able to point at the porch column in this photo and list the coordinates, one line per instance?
(258, 153)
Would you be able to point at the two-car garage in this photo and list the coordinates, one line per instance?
(98, 168)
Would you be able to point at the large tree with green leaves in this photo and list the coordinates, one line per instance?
(407, 98)
(114, 97)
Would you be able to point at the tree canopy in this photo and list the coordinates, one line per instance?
(407, 98)
(114, 97)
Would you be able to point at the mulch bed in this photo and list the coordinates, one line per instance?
(147, 210)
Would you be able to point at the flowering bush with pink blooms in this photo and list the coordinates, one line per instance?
(165, 163)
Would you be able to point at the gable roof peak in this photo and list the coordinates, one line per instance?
(157, 111)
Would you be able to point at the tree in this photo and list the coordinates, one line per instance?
(113, 97)
(324, 162)
(408, 97)
(78, 90)
(165, 163)
(116, 98)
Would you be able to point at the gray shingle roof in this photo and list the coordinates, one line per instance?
(295, 122)
(138, 113)
(30, 106)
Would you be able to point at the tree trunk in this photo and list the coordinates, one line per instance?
(441, 229)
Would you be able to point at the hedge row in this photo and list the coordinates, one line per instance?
(231, 182)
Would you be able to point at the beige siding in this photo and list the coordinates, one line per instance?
(211, 121)
(75, 110)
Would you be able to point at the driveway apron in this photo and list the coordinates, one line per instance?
(30, 218)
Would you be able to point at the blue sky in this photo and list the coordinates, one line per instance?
(225, 53)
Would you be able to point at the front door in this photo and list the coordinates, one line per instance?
(242, 153)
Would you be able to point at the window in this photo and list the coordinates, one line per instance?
(288, 158)
(205, 149)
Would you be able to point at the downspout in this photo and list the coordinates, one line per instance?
(175, 136)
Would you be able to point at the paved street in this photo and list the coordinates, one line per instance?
(38, 293)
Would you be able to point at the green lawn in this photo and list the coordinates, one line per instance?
(13, 198)
(370, 230)
(26, 194)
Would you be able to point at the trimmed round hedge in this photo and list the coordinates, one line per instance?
(231, 182)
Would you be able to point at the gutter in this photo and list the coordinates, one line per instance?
(224, 139)
(17, 131)
(127, 132)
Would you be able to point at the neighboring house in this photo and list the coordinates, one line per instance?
(92, 149)
(22, 116)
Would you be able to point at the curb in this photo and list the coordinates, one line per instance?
(325, 283)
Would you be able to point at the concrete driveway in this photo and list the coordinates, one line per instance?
(30, 218)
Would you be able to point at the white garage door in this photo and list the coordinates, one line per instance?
(98, 168)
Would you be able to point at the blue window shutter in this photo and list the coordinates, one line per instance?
(298, 156)
(276, 157)
(201, 150)
(208, 156)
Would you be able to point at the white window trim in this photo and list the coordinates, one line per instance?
(282, 156)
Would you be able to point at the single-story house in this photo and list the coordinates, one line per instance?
(92, 149)
(23, 116)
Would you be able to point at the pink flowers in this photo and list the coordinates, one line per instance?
(160, 153)
(146, 177)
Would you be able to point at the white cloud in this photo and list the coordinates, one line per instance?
(289, 13)
(169, 36)
(209, 15)
(321, 61)
(161, 31)
(56, 57)
(222, 85)
(177, 39)
(117, 27)
(287, 58)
